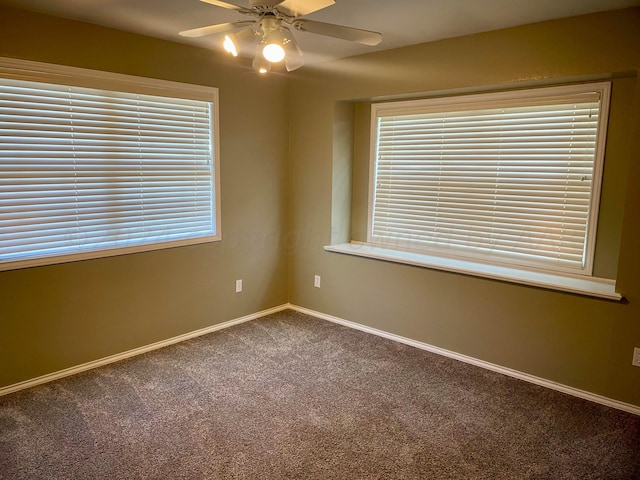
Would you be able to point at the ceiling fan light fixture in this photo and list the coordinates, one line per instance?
(273, 39)
(272, 27)
(230, 43)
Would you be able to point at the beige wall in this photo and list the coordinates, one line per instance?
(291, 178)
(583, 342)
(59, 316)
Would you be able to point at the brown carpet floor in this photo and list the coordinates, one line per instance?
(293, 397)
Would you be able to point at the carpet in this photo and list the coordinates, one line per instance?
(289, 396)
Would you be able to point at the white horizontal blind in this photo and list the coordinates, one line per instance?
(514, 181)
(85, 170)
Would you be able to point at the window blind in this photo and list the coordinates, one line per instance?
(84, 170)
(513, 184)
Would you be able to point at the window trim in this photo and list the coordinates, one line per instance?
(577, 284)
(79, 77)
(496, 100)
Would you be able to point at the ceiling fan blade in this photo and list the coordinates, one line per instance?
(230, 6)
(265, 3)
(294, 58)
(365, 37)
(213, 29)
(299, 8)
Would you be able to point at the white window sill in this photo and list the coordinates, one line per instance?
(592, 286)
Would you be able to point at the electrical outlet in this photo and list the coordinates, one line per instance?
(636, 357)
(316, 281)
(238, 286)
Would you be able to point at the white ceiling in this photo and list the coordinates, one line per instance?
(402, 22)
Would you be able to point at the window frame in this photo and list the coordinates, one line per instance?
(79, 77)
(493, 100)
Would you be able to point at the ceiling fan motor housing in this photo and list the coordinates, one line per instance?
(270, 23)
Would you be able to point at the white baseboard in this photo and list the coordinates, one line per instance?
(609, 402)
(50, 377)
(627, 407)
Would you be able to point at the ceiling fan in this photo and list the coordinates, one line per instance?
(272, 26)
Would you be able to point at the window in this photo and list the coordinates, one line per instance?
(509, 178)
(95, 164)
(503, 185)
